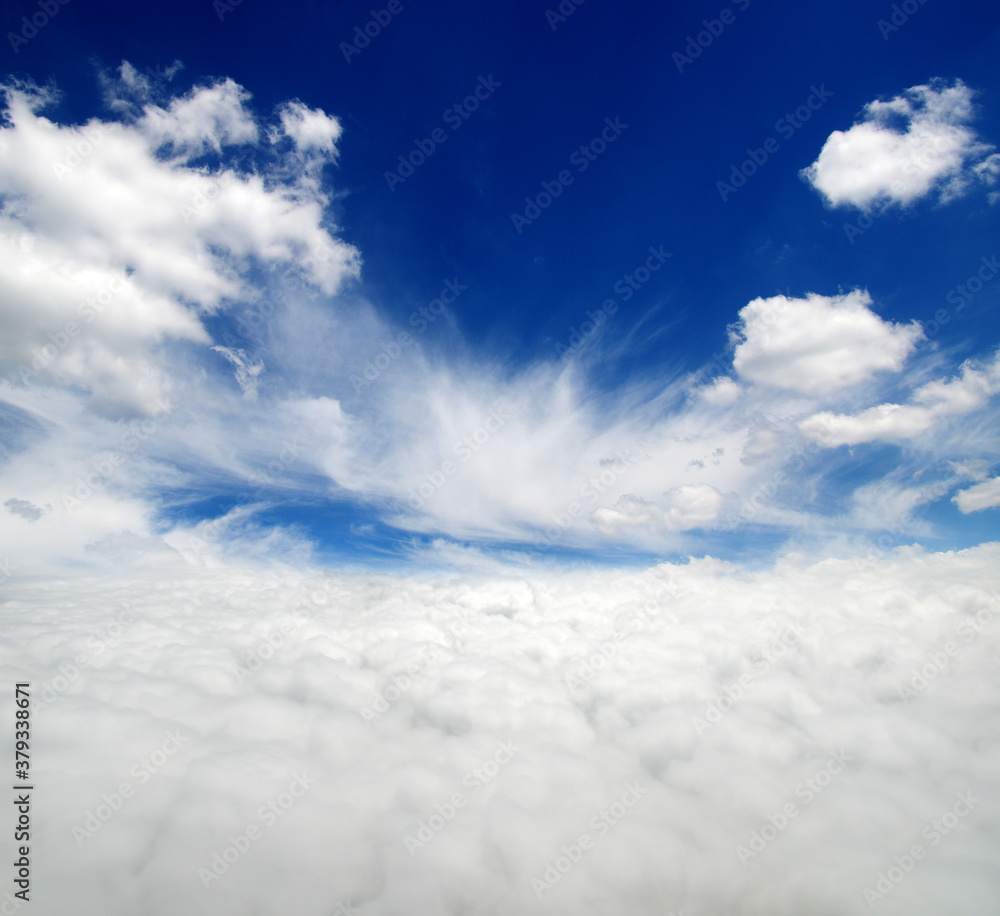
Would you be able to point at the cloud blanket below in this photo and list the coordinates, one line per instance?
(698, 738)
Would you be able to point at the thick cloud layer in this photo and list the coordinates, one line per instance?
(696, 738)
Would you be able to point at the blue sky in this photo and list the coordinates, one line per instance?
(618, 385)
(633, 141)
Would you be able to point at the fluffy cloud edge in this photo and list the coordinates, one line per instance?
(905, 149)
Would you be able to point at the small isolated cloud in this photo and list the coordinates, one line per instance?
(903, 149)
(817, 345)
(930, 404)
(985, 495)
(309, 128)
(25, 508)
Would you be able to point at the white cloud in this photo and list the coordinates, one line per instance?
(931, 403)
(974, 469)
(818, 344)
(248, 371)
(439, 441)
(886, 505)
(687, 507)
(903, 149)
(310, 128)
(208, 117)
(985, 495)
(597, 679)
(721, 392)
(109, 252)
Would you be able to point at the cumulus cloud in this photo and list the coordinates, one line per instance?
(233, 740)
(208, 117)
(818, 344)
(904, 149)
(930, 404)
(310, 128)
(145, 275)
(985, 495)
(692, 506)
(720, 392)
(115, 244)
